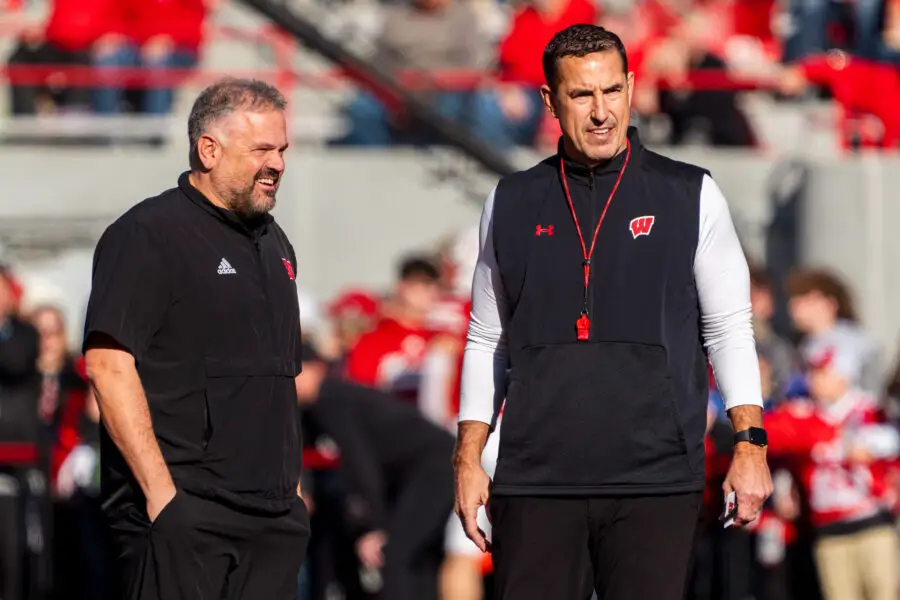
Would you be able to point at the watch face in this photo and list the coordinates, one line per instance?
(758, 436)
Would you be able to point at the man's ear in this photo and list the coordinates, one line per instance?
(548, 98)
(208, 151)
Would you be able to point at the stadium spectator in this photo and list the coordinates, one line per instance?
(822, 309)
(691, 46)
(519, 65)
(850, 81)
(844, 448)
(782, 360)
(160, 34)
(57, 367)
(75, 32)
(353, 314)
(390, 356)
(71, 415)
(812, 24)
(19, 431)
(424, 36)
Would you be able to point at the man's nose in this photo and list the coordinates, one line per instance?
(276, 162)
(599, 112)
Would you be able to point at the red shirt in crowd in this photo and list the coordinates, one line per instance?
(390, 358)
(860, 86)
(439, 394)
(839, 489)
(523, 48)
(75, 25)
(180, 20)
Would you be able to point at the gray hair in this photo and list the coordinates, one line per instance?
(226, 97)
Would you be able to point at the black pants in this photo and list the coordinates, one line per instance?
(26, 97)
(201, 550)
(635, 548)
(415, 533)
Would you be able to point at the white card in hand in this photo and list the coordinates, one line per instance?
(730, 510)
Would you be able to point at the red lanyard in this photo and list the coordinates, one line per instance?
(583, 324)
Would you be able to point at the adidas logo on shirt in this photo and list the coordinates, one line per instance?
(225, 268)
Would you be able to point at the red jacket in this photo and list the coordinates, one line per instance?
(521, 51)
(838, 489)
(181, 20)
(860, 86)
(75, 25)
(390, 358)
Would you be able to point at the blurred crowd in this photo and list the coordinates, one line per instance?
(688, 57)
(379, 398)
(479, 62)
(122, 34)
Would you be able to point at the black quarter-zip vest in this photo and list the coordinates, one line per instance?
(623, 412)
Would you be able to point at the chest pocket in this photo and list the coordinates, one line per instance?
(251, 420)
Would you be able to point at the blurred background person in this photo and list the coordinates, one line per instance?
(520, 72)
(843, 444)
(399, 463)
(779, 361)
(823, 311)
(157, 34)
(75, 32)
(351, 315)
(390, 356)
(21, 443)
(71, 419)
(423, 37)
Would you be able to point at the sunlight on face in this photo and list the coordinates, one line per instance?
(592, 102)
(249, 171)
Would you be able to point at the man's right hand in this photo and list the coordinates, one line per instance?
(472, 492)
(157, 501)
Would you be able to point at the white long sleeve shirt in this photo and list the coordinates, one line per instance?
(723, 286)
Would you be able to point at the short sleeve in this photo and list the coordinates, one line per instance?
(130, 286)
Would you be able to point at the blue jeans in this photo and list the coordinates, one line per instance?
(154, 100)
(810, 19)
(477, 110)
(869, 43)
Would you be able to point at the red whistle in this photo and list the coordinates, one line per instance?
(583, 325)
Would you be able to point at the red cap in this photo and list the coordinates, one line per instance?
(359, 302)
(15, 287)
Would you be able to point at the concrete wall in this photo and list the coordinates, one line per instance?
(351, 213)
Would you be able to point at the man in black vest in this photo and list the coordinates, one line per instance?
(609, 276)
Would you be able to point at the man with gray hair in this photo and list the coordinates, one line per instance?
(192, 342)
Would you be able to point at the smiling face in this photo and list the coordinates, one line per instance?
(245, 159)
(591, 99)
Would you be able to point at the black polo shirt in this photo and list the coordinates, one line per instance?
(207, 304)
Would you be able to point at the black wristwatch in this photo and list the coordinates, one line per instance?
(755, 435)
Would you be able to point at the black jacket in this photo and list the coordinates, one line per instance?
(207, 304)
(625, 411)
(383, 443)
(19, 382)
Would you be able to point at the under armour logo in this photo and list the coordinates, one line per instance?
(539, 231)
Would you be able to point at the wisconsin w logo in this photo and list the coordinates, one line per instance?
(641, 225)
